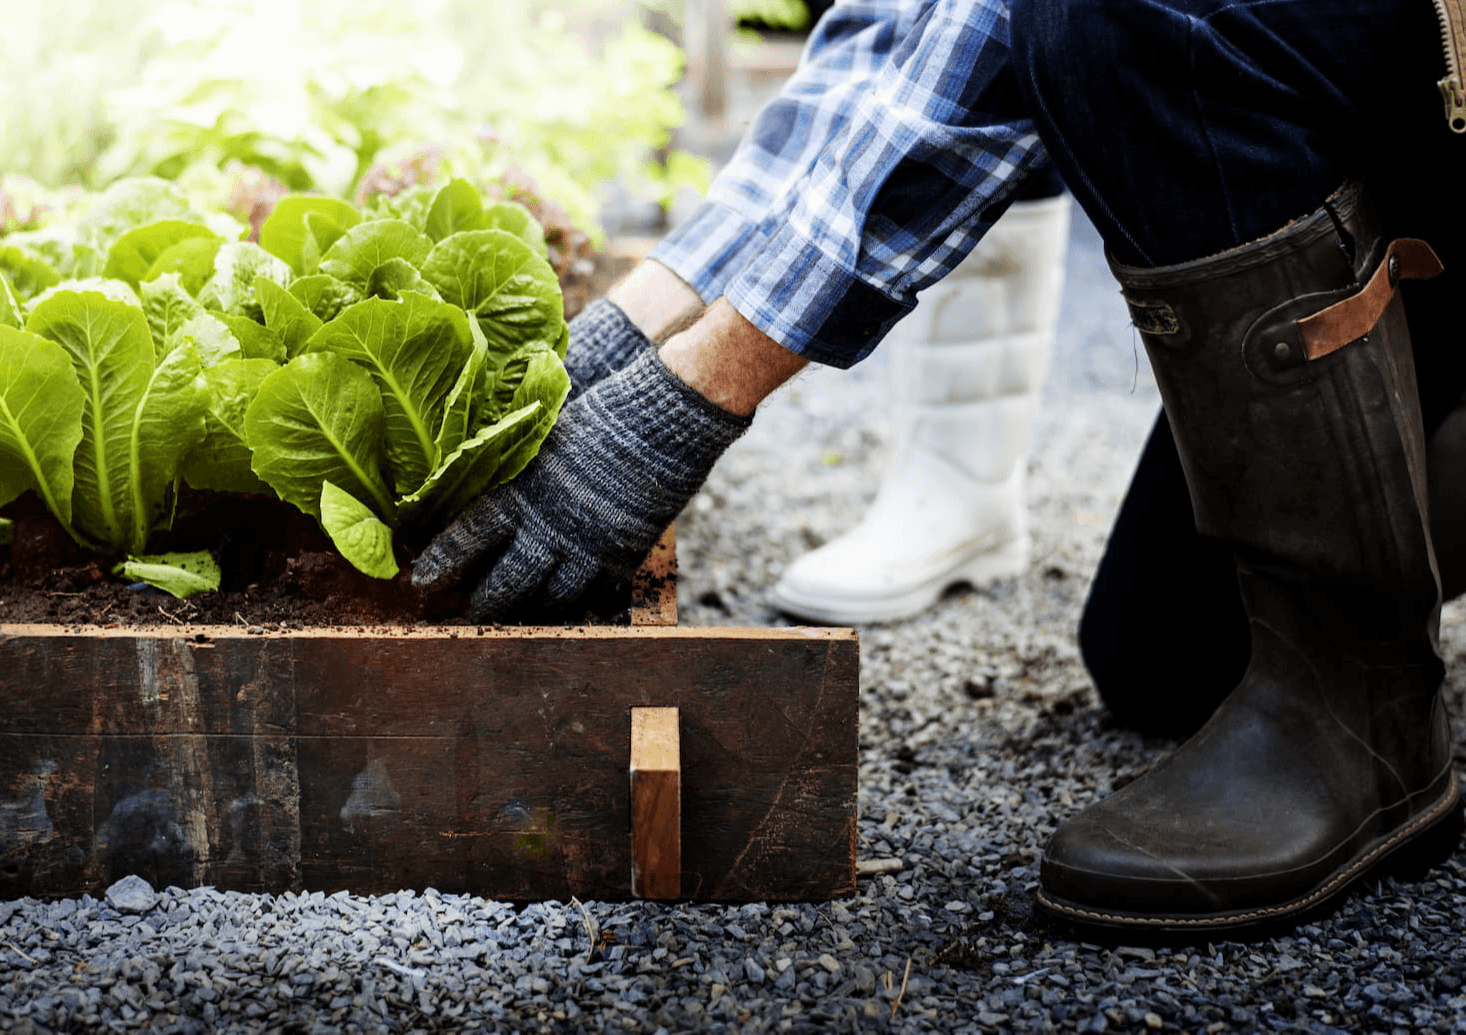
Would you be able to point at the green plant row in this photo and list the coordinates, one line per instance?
(377, 368)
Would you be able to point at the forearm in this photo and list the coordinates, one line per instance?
(729, 361)
(654, 298)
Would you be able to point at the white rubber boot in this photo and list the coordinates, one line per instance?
(968, 365)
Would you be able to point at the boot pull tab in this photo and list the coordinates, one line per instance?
(1407, 258)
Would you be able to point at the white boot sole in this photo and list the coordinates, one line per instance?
(983, 569)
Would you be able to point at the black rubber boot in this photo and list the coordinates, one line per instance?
(1297, 422)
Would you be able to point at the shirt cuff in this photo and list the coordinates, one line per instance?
(706, 249)
(811, 304)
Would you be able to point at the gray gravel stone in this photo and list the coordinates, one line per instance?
(132, 894)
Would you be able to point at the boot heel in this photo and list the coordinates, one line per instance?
(1005, 562)
(1414, 860)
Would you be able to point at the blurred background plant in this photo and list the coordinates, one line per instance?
(241, 100)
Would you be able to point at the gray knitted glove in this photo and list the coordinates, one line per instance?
(602, 341)
(621, 462)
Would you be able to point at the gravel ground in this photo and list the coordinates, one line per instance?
(979, 733)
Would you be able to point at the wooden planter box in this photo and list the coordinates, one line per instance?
(493, 762)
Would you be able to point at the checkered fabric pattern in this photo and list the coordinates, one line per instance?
(880, 164)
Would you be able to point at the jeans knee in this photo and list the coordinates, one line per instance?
(1059, 42)
(1048, 33)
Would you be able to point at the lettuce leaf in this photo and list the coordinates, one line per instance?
(320, 418)
(323, 295)
(298, 218)
(11, 314)
(40, 420)
(362, 539)
(501, 450)
(117, 290)
(473, 467)
(256, 340)
(222, 460)
(168, 307)
(26, 272)
(358, 258)
(140, 417)
(133, 256)
(496, 276)
(207, 333)
(463, 403)
(413, 350)
(180, 574)
(457, 207)
(191, 259)
(286, 315)
(231, 290)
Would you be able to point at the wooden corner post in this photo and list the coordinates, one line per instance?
(656, 804)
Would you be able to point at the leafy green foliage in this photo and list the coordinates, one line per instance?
(181, 574)
(391, 384)
(242, 98)
(137, 254)
(40, 419)
(222, 461)
(10, 314)
(286, 232)
(462, 357)
(320, 418)
(139, 415)
(361, 537)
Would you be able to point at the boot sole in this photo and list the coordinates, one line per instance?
(1007, 561)
(1412, 850)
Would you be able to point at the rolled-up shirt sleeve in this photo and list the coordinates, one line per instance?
(927, 154)
(844, 52)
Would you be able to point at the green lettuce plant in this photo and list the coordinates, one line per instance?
(375, 369)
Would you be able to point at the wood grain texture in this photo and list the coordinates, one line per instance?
(379, 759)
(656, 803)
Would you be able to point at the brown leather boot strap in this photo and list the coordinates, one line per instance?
(1407, 258)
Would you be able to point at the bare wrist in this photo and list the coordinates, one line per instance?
(729, 361)
(658, 301)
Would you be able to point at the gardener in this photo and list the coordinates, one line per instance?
(1219, 148)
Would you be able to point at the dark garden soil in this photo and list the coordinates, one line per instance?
(280, 571)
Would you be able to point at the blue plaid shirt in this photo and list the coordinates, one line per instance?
(872, 174)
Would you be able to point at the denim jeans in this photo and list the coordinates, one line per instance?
(1187, 127)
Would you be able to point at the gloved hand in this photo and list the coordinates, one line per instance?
(602, 341)
(621, 462)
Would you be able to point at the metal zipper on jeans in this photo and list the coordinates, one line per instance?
(1452, 15)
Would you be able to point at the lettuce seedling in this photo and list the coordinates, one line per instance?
(102, 394)
(372, 370)
(437, 379)
(140, 415)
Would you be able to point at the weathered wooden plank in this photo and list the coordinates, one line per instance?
(493, 762)
(656, 804)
